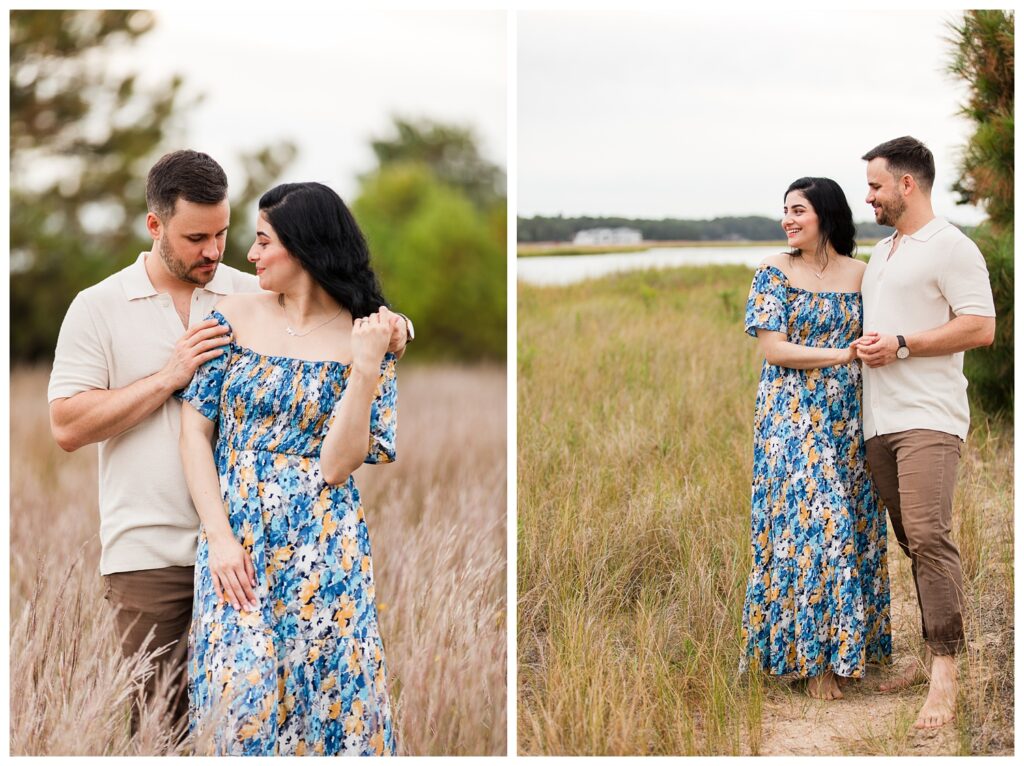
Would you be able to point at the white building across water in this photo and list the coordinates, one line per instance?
(618, 236)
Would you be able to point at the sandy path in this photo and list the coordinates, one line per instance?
(864, 722)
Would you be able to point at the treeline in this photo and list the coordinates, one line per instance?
(751, 227)
(433, 209)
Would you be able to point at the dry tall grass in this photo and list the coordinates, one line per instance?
(437, 523)
(635, 408)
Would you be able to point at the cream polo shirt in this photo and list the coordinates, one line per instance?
(936, 274)
(115, 333)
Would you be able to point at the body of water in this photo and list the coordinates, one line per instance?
(567, 269)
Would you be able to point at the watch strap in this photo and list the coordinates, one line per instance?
(410, 331)
(903, 350)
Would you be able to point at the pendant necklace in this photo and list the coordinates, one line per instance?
(288, 329)
(818, 274)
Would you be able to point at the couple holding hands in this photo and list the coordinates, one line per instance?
(862, 403)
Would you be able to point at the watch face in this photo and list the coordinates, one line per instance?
(902, 352)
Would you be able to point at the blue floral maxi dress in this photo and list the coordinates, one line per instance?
(818, 594)
(304, 673)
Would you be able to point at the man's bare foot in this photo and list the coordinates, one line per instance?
(824, 687)
(940, 707)
(913, 674)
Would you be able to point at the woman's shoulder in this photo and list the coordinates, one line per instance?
(240, 307)
(776, 265)
(857, 266)
(776, 259)
(853, 270)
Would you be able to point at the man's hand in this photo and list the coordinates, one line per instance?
(198, 345)
(399, 331)
(877, 350)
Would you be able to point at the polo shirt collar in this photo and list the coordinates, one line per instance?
(136, 281)
(137, 284)
(221, 282)
(929, 230)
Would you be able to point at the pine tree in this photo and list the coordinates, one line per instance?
(82, 141)
(983, 57)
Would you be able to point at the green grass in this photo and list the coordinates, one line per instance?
(635, 407)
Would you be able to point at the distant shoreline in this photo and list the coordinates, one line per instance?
(536, 249)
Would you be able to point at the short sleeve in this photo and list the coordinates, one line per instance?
(203, 392)
(965, 283)
(384, 414)
(80, 360)
(768, 302)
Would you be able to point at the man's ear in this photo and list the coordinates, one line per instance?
(154, 226)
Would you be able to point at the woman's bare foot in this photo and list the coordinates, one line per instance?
(940, 707)
(913, 674)
(824, 687)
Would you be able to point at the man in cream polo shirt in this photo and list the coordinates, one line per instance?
(927, 299)
(125, 346)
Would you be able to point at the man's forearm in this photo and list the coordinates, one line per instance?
(959, 334)
(93, 416)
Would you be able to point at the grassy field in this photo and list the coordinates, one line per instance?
(437, 521)
(532, 249)
(635, 408)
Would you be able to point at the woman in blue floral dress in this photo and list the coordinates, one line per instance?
(285, 655)
(817, 600)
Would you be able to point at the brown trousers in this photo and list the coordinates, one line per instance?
(158, 600)
(915, 473)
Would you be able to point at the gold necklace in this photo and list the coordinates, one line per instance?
(818, 274)
(288, 328)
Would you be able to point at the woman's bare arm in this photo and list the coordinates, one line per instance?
(779, 351)
(231, 566)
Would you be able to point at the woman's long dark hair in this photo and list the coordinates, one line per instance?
(317, 228)
(835, 219)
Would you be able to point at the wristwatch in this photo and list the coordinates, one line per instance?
(902, 352)
(410, 332)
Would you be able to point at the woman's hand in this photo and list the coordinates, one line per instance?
(370, 338)
(861, 346)
(234, 575)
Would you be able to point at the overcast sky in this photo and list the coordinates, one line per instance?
(699, 115)
(329, 81)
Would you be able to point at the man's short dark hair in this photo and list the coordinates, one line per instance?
(907, 156)
(192, 176)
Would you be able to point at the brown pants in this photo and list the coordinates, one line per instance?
(158, 600)
(915, 473)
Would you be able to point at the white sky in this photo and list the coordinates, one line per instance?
(694, 115)
(328, 80)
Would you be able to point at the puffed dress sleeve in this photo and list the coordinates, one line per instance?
(384, 414)
(768, 302)
(203, 392)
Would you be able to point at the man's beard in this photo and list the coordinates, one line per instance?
(891, 213)
(178, 268)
